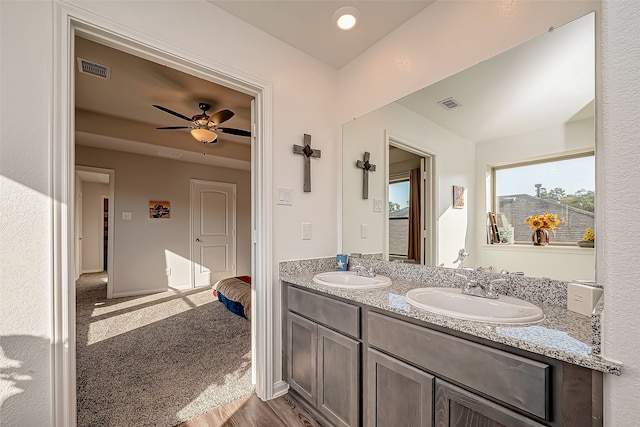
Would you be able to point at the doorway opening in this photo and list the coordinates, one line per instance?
(409, 223)
(75, 22)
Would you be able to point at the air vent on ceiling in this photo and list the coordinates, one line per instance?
(449, 103)
(88, 67)
(171, 154)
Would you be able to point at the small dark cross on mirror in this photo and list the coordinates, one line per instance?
(366, 167)
(308, 153)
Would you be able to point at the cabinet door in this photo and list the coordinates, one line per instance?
(338, 377)
(302, 341)
(456, 407)
(397, 394)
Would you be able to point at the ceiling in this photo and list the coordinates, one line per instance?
(308, 26)
(118, 114)
(547, 81)
(499, 96)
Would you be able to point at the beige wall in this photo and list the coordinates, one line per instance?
(93, 226)
(144, 248)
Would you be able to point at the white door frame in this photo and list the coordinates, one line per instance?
(111, 232)
(70, 21)
(429, 218)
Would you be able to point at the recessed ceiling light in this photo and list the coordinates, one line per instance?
(346, 17)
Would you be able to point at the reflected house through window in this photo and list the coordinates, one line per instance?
(563, 187)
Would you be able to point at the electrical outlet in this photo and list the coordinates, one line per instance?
(167, 271)
(306, 231)
(364, 231)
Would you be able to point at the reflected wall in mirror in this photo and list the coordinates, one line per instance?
(532, 103)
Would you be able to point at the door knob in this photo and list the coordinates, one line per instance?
(197, 240)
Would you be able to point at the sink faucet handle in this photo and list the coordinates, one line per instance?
(461, 276)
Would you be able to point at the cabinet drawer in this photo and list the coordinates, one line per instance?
(512, 379)
(335, 314)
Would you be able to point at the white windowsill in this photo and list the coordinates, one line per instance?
(546, 249)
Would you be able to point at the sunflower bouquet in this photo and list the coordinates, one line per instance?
(544, 221)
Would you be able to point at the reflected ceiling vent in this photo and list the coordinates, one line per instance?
(88, 67)
(449, 103)
(171, 154)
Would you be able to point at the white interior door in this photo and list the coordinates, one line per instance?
(213, 253)
(78, 228)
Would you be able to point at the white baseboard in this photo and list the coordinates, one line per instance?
(280, 388)
(136, 293)
(92, 271)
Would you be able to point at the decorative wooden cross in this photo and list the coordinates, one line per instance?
(308, 153)
(366, 167)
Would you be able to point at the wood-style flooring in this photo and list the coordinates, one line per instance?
(284, 411)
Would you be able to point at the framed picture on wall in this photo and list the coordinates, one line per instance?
(159, 209)
(458, 197)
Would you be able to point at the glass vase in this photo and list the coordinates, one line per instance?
(540, 237)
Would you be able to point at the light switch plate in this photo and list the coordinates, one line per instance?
(364, 231)
(284, 196)
(377, 205)
(126, 216)
(306, 231)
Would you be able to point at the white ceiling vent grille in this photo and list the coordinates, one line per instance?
(449, 103)
(88, 67)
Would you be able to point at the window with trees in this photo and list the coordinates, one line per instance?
(561, 186)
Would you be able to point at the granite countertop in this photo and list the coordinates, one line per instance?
(562, 335)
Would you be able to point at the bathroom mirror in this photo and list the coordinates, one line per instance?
(528, 105)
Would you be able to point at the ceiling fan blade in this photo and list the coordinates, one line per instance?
(221, 117)
(232, 131)
(166, 110)
(174, 127)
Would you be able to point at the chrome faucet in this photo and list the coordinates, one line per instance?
(361, 270)
(462, 254)
(476, 288)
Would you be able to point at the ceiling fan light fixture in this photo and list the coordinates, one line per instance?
(346, 17)
(204, 135)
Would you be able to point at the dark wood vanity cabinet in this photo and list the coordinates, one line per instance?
(413, 375)
(397, 391)
(323, 365)
(456, 407)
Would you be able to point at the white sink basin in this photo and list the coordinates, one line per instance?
(452, 302)
(351, 280)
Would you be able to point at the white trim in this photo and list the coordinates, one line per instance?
(430, 255)
(91, 271)
(112, 231)
(142, 292)
(69, 21)
(280, 388)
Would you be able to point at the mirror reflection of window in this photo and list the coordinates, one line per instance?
(399, 216)
(564, 187)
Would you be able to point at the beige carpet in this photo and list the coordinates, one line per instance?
(156, 360)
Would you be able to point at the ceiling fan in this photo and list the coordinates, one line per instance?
(203, 126)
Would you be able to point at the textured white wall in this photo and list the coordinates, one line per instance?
(93, 225)
(25, 214)
(618, 204)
